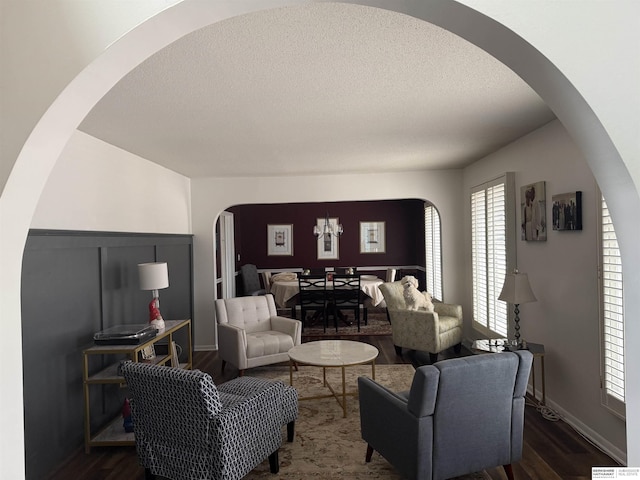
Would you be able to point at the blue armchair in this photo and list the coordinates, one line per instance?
(460, 416)
(186, 428)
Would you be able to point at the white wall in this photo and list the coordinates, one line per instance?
(43, 45)
(98, 187)
(211, 196)
(563, 275)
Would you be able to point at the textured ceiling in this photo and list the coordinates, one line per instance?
(319, 88)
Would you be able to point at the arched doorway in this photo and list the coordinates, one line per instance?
(45, 144)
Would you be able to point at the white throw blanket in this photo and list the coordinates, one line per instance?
(284, 277)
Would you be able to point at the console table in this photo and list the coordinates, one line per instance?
(498, 345)
(113, 433)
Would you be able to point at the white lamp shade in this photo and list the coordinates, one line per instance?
(153, 276)
(516, 289)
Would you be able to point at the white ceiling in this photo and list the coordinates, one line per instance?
(319, 88)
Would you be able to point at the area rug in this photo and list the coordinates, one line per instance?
(377, 324)
(326, 445)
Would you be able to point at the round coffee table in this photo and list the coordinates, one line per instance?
(333, 354)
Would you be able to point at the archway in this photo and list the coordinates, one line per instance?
(45, 144)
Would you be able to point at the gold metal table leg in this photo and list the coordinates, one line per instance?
(344, 395)
(290, 372)
(544, 393)
(533, 377)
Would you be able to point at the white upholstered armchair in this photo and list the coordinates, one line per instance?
(421, 330)
(251, 334)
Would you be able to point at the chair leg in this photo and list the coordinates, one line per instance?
(241, 373)
(291, 431)
(274, 464)
(367, 458)
(398, 350)
(325, 319)
(508, 469)
(148, 475)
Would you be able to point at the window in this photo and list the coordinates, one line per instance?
(433, 250)
(490, 238)
(612, 316)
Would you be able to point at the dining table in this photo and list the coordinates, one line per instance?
(284, 291)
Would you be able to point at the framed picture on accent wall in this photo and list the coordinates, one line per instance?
(328, 244)
(533, 203)
(566, 211)
(280, 239)
(372, 237)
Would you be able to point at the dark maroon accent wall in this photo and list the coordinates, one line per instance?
(404, 225)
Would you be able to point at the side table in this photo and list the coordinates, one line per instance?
(499, 345)
(113, 434)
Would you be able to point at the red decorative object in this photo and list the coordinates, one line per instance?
(154, 311)
(126, 416)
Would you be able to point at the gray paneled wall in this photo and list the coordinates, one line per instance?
(73, 285)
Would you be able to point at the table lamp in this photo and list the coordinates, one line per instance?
(516, 290)
(154, 276)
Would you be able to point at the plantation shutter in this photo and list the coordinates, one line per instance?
(489, 255)
(433, 250)
(612, 309)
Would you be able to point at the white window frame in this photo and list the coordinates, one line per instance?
(433, 251)
(493, 252)
(611, 289)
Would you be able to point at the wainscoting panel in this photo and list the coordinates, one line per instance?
(73, 285)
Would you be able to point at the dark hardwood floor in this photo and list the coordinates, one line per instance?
(552, 450)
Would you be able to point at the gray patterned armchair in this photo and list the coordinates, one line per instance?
(431, 332)
(186, 428)
(461, 416)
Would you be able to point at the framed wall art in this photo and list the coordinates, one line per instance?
(566, 211)
(280, 239)
(328, 243)
(533, 207)
(372, 237)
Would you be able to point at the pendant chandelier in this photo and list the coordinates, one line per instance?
(328, 229)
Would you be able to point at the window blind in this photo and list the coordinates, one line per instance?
(433, 250)
(489, 255)
(612, 309)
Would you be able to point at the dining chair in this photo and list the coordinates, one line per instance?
(266, 280)
(312, 296)
(346, 295)
(251, 280)
(391, 275)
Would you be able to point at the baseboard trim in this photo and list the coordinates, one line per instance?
(596, 439)
(205, 348)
